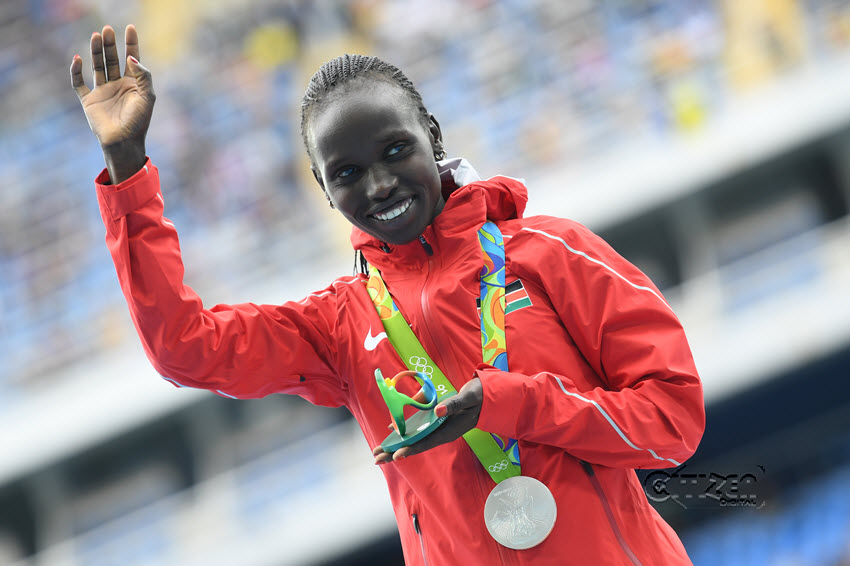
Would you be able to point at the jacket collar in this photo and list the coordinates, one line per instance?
(470, 202)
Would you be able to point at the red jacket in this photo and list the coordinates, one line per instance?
(602, 379)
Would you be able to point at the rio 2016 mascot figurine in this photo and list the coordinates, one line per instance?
(419, 425)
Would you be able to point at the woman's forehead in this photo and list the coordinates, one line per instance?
(373, 113)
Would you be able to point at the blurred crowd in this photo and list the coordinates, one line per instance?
(517, 86)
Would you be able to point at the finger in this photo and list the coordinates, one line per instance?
(97, 59)
(440, 436)
(452, 429)
(110, 54)
(469, 397)
(452, 405)
(142, 76)
(406, 451)
(381, 457)
(131, 43)
(77, 82)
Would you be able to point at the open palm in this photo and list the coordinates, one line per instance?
(118, 108)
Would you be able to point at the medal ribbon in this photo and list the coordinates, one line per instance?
(499, 455)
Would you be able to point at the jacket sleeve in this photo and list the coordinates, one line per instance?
(243, 350)
(650, 413)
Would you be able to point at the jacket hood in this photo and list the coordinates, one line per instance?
(470, 202)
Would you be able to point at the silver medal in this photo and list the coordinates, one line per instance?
(520, 512)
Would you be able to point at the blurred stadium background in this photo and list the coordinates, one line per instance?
(707, 140)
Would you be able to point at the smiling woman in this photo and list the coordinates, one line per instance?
(375, 160)
(601, 376)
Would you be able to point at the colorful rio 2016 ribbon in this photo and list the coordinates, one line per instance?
(494, 347)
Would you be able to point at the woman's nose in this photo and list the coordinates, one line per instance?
(380, 183)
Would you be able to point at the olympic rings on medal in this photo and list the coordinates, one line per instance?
(499, 466)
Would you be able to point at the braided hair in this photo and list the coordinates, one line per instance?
(342, 71)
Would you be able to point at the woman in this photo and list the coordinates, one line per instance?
(601, 378)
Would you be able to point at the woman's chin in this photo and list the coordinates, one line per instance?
(402, 229)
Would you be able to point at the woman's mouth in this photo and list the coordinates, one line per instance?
(395, 211)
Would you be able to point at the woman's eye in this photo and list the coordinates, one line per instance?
(395, 149)
(347, 172)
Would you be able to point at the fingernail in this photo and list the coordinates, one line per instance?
(134, 60)
(75, 56)
(441, 411)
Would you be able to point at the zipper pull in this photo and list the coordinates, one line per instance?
(421, 541)
(428, 249)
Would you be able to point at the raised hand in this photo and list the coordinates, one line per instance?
(118, 108)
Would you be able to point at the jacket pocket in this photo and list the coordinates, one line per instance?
(591, 474)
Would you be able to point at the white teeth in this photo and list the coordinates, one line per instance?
(390, 214)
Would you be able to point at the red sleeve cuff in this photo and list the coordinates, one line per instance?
(123, 198)
(503, 398)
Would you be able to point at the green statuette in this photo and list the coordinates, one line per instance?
(419, 425)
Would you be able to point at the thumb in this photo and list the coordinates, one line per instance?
(451, 406)
(469, 397)
(141, 74)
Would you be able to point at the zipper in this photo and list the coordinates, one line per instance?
(418, 530)
(424, 304)
(482, 483)
(428, 249)
(610, 514)
(506, 560)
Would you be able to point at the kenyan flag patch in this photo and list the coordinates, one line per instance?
(516, 297)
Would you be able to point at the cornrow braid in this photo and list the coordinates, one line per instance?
(341, 71)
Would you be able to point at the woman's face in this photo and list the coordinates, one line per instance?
(375, 160)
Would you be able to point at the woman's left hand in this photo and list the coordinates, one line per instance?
(462, 411)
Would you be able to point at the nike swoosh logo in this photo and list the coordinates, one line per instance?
(371, 342)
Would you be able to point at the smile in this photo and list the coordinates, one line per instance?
(394, 212)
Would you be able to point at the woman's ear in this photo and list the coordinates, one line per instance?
(436, 134)
(318, 177)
